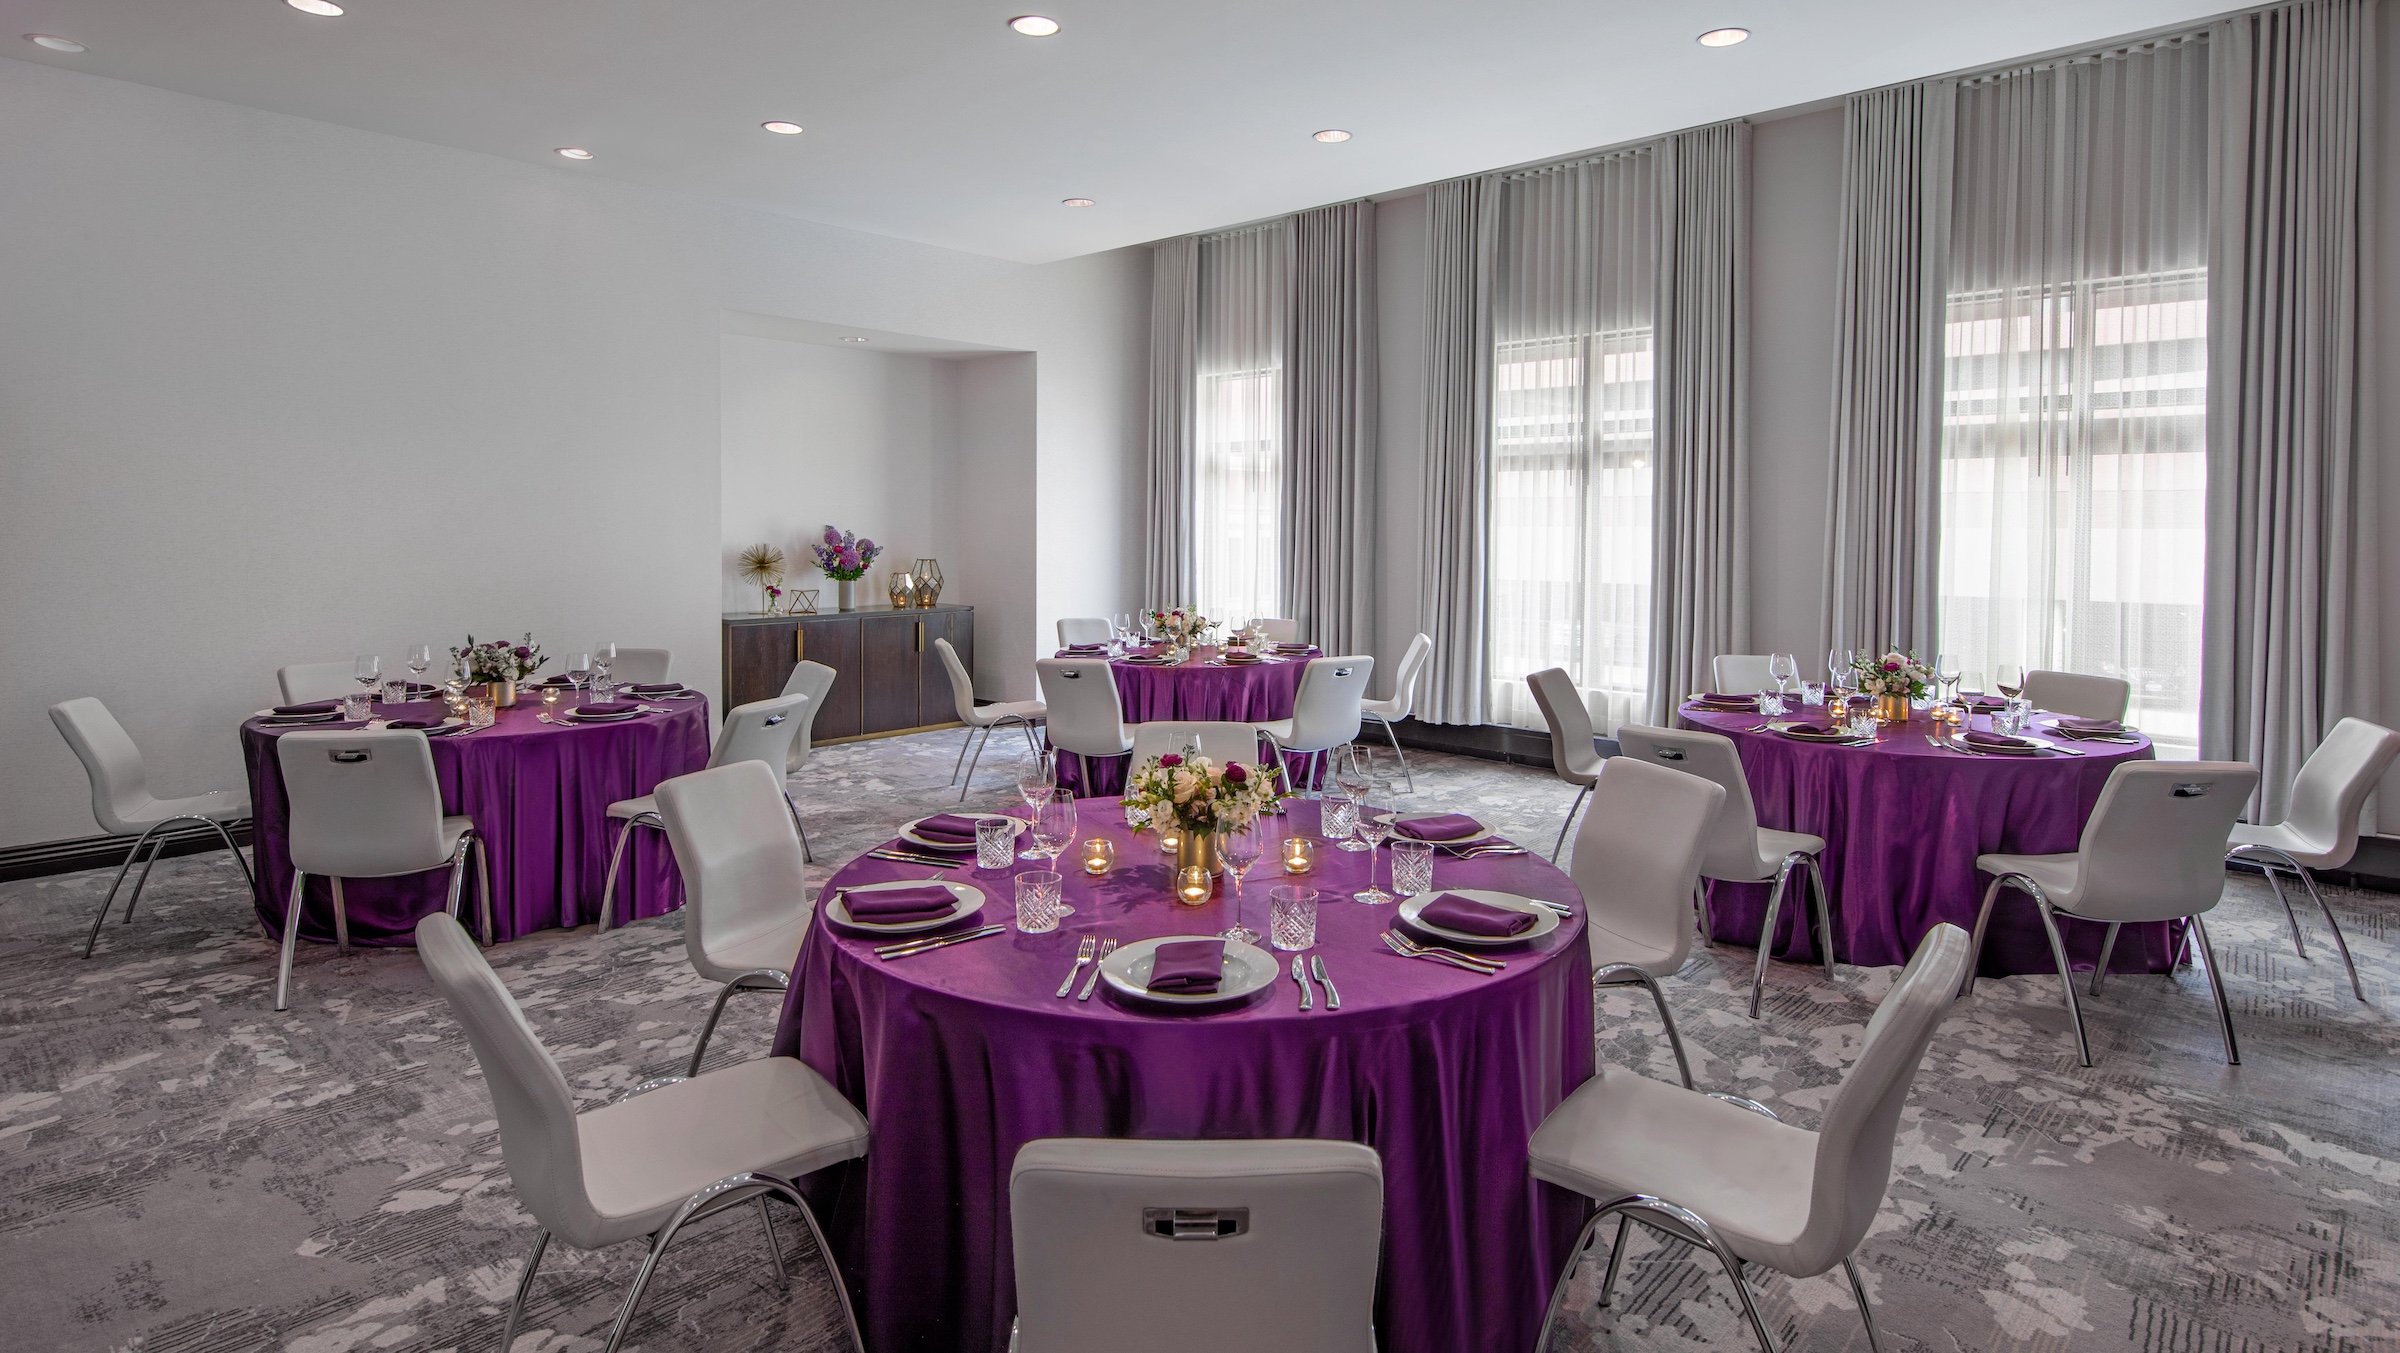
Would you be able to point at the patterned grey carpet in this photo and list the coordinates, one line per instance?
(183, 1171)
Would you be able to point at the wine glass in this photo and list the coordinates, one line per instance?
(1037, 782)
(1838, 662)
(1240, 847)
(1947, 670)
(1054, 831)
(1372, 828)
(367, 668)
(604, 661)
(2012, 680)
(1784, 670)
(1353, 777)
(420, 657)
(579, 670)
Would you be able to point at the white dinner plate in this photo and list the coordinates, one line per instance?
(1544, 919)
(908, 833)
(1248, 970)
(1484, 831)
(970, 901)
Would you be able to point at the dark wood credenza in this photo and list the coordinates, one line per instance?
(887, 676)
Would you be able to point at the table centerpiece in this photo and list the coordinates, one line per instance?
(497, 665)
(1893, 679)
(845, 557)
(1192, 796)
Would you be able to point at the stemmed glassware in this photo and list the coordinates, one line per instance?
(2012, 680)
(1372, 829)
(579, 671)
(1037, 782)
(1947, 670)
(1054, 831)
(1838, 662)
(420, 657)
(368, 669)
(1784, 670)
(604, 661)
(1240, 847)
(1353, 777)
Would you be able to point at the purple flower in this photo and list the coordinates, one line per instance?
(1170, 761)
(833, 537)
(849, 558)
(1234, 774)
(865, 546)
(1891, 665)
(523, 651)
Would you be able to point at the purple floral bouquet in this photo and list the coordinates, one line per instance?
(496, 660)
(845, 556)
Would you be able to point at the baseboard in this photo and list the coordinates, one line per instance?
(97, 852)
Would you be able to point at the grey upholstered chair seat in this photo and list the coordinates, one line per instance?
(1775, 846)
(217, 805)
(628, 809)
(2058, 874)
(999, 710)
(454, 830)
(644, 1156)
(1648, 953)
(1747, 1175)
(1278, 729)
(774, 947)
(2311, 850)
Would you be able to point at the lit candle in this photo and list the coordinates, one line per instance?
(1170, 839)
(1099, 855)
(550, 702)
(1299, 855)
(1191, 885)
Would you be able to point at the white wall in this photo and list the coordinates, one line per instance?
(273, 390)
(986, 515)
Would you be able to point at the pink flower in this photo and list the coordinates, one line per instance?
(833, 537)
(1891, 664)
(1170, 760)
(849, 558)
(1234, 774)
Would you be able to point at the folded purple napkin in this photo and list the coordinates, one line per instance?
(947, 827)
(1723, 698)
(1087, 648)
(2077, 724)
(656, 688)
(1470, 917)
(418, 690)
(1997, 742)
(1984, 704)
(1439, 827)
(560, 681)
(610, 707)
(886, 906)
(433, 721)
(311, 707)
(1807, 730)
(1187, 967)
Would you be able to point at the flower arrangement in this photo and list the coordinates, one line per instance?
(1182, 626)
(844, 555)
(496, 660)
(762, 568)
(1896, 674)
(1198, 795)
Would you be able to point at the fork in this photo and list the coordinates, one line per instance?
(1460, 961)
(1083, 956)
(1477, 959)
(1107, 947)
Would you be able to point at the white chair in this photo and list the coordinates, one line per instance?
(1277, 630)
(1404, 696)
(1219, 742)
(1573, 757)
(1723, 1174)
(2073, 693)
(1740, 674)
(1195, 1247)
(2320, 827)
(982, 719)
(669, 1152)
(2152, 850)
(124, 806)
(1328, 710)
(1739, 850)
(641, 666)
(1636, 862)
(307, 681)
(760, 731)
(1086, 716)
(365, 804)
(1082, 630)
(746, 904)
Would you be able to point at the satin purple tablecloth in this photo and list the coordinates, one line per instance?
(539, 794)
(1903, 822)
(1198, 690)
(961, 1056)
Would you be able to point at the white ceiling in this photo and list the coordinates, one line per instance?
(930, 120)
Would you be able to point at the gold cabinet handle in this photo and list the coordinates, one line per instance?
(799, 643)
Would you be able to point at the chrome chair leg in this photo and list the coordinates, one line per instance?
(2066, 975)
(841, 1290)
(2268, 861)
(2340, 944)
(1741, 1288)
(248, 878)
(516, 1305)
(1983, 918)
(758, 979)
(158, 847)
(2216, 988)
(1866, 1313)
(972, 738)
(766, 1219)
(2108, 947)
(291, 941)
(1566, 826)
(1616, 1260)
(1627, 974)
(2291, 917)
(1558, 1290)
(1816, 883)
(109, 902)
(962, 755)
(458, 883)
(1679, 1223)
(616, 858)
(341, 916)
(807, 856)
(1394, 738)
(1766, 931)
(483, 887)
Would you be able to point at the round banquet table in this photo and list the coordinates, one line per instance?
(962, 1055)
(1201, 688)
(1903, 822)
(539, 794)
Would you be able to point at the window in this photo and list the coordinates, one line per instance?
(1238, 488)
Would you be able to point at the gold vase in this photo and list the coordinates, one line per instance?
(1200, 849)
(1891, 709)
(503, 693)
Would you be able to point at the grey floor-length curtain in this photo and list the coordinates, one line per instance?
(1329, 426)
(1700, 584)
(2290, 638)
(1170, 562)
(1883, 495)
(1461, 234)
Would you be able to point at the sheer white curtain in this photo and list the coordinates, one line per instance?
(2075, 377)
(1238, 489)
(1570, 556)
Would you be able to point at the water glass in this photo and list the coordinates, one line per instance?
(1038, 895)
(995, 843)
(395, 692)
(1412, 867)
(1861, 722)
(480, 713)
(1341, 822)
(1812, 692)
(1292, 917)
(1769, 703)
(2010, 718)
(357, 705)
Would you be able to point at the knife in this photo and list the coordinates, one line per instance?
(1316, 964)
(1308, 995)
(924, 946)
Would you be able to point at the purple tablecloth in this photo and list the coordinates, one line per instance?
(1200, 689)
(539, 794)
(961, 1056)
(1903, 822)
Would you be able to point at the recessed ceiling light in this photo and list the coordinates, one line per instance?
(1333, 136)
(575, 152)
(1034, 25)
(1724, 37)
(782, 128)
(323, 9)
(1075, 202)
(55, 43)
(853, 338)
